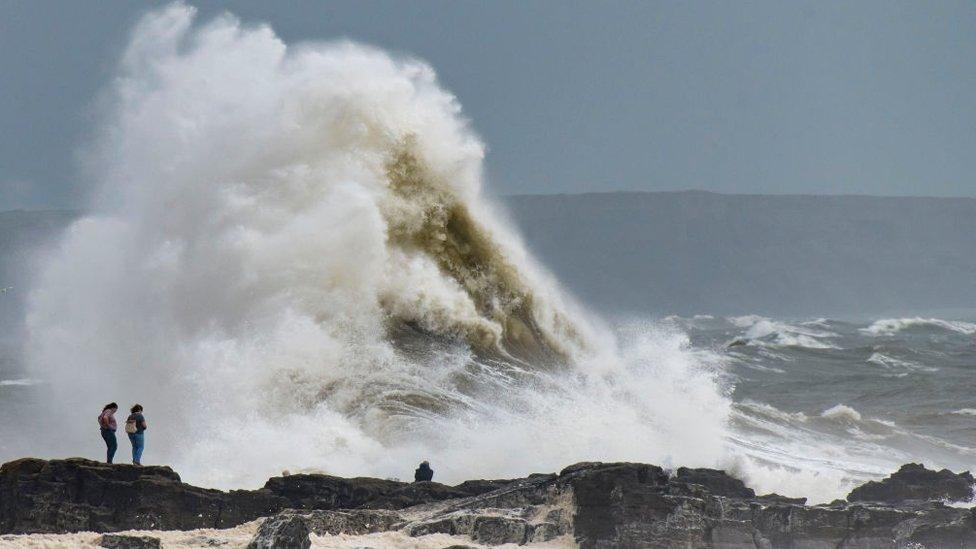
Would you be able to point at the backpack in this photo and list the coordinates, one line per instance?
(131, 427)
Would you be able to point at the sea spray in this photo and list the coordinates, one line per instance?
(290, 265)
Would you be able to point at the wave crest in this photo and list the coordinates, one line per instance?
(891, 326)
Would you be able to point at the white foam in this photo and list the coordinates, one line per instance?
(23, 382)
(766, 332)
(240, 536)
(266, 215)
(891, 326)
(772, 411)
(965, 412)
(841, 412)
(886, 361)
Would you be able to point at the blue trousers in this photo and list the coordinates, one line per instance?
(138, 441)
(111, 443)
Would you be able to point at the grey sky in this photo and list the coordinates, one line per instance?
(873, 97)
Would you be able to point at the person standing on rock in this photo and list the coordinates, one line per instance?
(135, 427)
(423, 473)
(107, 425)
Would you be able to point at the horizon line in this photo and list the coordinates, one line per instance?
(746, 194)
(629, 192)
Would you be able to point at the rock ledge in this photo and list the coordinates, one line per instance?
(596, 504)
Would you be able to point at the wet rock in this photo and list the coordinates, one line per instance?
(122, 541)
(529, 492)
(771, 499)
(938, 527)
(284, 531)
(478, 487)
(492, 530)
(414, 494)
(733, 535)
(597, 504)
(717, 483)
(73, 495)
(873, 527)
(327, 492)
(627, 504)
(546, 531)
(792, 526)
(354, 522)
(915, 482)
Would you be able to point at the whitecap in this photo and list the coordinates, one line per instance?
(18, 382)
(841, 412)
(886, 361)
(764, 332)
(891, 326)
(965, 412)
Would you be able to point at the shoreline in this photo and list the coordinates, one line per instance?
(586, 505)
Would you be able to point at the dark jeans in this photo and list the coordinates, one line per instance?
(111, 443)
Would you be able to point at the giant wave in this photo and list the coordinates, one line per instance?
(291, 264)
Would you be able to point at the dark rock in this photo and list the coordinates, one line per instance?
(72, 495)
(545, 531)
(733, 535)
(599, 504)
(328, 492)
(771, 499)
(793, 526)
(453, 524)
(121, 541)
(915, 482)
(284, 531)
(873, 527)
(412, 494)
(354, 522)
(493, 530)
(715, 482)
(625, 504)
(938, 527)
(478, 487)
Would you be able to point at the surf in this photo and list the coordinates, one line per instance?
(292, 264)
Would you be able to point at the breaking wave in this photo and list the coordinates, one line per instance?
(291, 265)
(841, 412)
(890, 362)
(765, 332)
(891, 326)
(965, 412)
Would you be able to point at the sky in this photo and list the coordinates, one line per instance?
(820, 97)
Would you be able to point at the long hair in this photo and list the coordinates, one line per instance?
(110, 405)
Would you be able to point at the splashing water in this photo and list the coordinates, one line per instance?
(291, 266)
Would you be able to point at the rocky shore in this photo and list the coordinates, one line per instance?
(590, 505)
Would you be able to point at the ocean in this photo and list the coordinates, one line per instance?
(815, 406)
(849, 401)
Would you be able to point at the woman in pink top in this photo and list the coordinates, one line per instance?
(106, 422)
